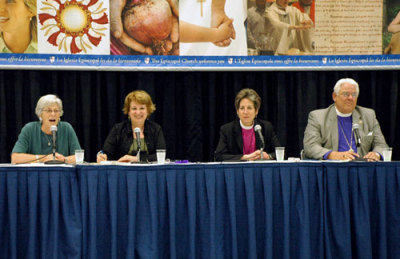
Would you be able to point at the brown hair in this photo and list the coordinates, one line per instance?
(31, 4)
(141, 97)
(249, 94)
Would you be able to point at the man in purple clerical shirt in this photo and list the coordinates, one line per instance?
(344, 130)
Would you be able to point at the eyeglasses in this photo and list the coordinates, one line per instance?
(51, 111)
(347, 94)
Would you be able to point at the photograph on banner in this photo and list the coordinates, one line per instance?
(280, 27)
(18, 20)
(348, 27)
(323, 27)
(73, 27)
(148, 27)
(213, 27)
(391, 30)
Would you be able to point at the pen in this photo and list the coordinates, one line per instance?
(181, 161)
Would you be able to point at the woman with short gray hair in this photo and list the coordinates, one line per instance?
(34, 143)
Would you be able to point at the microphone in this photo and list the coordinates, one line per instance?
(257, 129)
(53, 130)
(137, 133)
(357, 134)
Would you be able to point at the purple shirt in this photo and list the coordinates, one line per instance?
(345, 123)
(249, 141)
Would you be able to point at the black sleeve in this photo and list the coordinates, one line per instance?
(272, 140)
(111, 144)
(223, 152)
(159, 143)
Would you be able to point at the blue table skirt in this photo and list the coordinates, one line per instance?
(39, 213)
(247, 210)
(362, 210)
(202, 211)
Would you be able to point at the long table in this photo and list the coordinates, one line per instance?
(229, 210)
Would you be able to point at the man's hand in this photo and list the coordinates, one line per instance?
(372, 156)
(305, 25)
(347, 155)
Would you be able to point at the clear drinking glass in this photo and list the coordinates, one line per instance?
(280, 153)
(79, 156)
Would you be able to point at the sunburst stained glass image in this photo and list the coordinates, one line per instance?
(73, 26)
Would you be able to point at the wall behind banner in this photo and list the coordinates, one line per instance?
(191, 106)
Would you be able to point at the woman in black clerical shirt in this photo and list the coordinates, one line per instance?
(238, 139)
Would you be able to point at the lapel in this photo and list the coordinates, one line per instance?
(332, 129)
(237, 132)
(258, 140)
(358, 119)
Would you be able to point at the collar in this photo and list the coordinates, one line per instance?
(261, 10)
(32, 47)
(279, 10)
(342, 114)
(246, 127)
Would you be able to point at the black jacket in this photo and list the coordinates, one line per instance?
(120, 139)
(230, 144)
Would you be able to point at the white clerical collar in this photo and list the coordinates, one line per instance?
(245, 127)
(280, 10)
(343, 114)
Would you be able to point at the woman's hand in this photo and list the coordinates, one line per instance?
(128, 158)
(256, 155)
(49, 157)
(101, 157)
(266, 156)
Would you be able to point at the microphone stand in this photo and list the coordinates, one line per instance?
(138, 156)
(137, 133)
(54, 161)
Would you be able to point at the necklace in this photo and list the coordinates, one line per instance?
(49, 139)
(345, 137)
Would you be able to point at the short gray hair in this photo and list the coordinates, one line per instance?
(46, 101)
(342, 81)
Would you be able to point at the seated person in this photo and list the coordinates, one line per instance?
(34, 143)
(238, 139)
(329, 133)
(121, 143)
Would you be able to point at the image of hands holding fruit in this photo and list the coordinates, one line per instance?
(148, 27)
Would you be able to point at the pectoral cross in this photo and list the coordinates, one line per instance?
(201, 6)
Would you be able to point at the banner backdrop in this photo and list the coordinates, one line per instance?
(199, 34)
